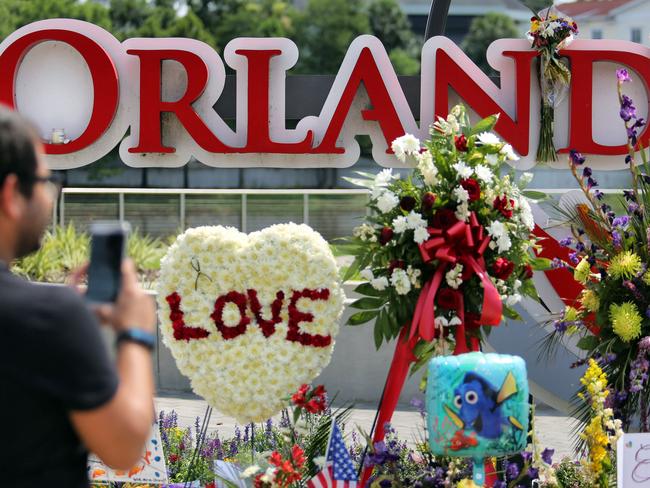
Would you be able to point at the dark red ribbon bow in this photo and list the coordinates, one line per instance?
(462, 243)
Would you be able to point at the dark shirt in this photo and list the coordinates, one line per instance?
(52, 361)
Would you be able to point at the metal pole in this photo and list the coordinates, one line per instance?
(437, 20)
(305, 209)
(181, 197)
(120, 206)
(62, 211)
(243, 211)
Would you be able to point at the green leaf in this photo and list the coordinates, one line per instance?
(511, 313)
(368, 290)
(379, 329)
(588, 343)
(535, 195)
(359, 182)
(528, 289)
(541, 264)
(362, 317)
(485, 125)
(367, 303)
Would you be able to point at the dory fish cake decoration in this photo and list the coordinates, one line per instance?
(477, 406)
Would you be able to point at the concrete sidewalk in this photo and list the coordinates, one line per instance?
(553, 428)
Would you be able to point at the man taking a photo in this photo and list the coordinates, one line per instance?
(61, 394)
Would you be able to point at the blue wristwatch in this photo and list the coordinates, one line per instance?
(139, 336)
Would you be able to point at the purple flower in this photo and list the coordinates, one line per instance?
(599, 194)
(628, 159)
(633, 207)
(623, 76)
(628, 110)
(580, 247)
(533, 473)
(586, 172)
(591, 183)
(557, 263)
(566, 242)
(547, 455)
(512, 471)
(576, 158)
(629, 195)
(560, 326)
(622, 221)
(574, 258)
(616, 238)
(385, 483)
(499, 484)
(527, 456)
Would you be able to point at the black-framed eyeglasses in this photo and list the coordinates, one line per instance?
(53, 184)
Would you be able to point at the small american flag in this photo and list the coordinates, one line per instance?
(339, 469)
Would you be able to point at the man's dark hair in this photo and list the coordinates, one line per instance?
(17, 150)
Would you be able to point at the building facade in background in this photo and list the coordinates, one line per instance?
(627, 20)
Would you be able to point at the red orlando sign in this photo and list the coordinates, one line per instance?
(77, 78)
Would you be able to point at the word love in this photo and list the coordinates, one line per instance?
(163, 92)
(250, 301)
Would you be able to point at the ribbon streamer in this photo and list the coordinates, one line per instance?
(462, 243)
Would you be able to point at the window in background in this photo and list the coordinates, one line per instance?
(596, 34)
(635, 35)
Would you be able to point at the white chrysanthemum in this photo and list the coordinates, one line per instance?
(415, 220)
(380, 283)
(462, 212)
(525, 179)
(460, 194)
(400, 224)
(427, 168)
(407, 145)
(499, 234)
(455, 320)
(453, 276)
(488, 138)
(400, 281)
(387, 201)
(492, 159)
(513, 300)
(366, 274)
(441, 321)
(420, 235)
(462, 169)
(484, 173)
(248, 376)
(365, 232)
(509, 153)
(526, 213)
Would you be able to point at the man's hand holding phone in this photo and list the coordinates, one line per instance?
(133, 307)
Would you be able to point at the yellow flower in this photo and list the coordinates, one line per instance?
(626, 320)
(570, 314)
(625, 265)
(582, 271)
(467, 484)
(590, 300)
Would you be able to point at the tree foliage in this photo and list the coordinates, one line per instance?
(482, 32)
(323, 30)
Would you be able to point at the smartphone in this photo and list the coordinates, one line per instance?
(107, 251)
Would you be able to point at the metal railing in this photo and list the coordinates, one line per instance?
(59, 214)
(59, 210)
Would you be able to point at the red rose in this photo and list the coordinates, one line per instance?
(385, 236)
(528, 271)
(173, 458)
(472, 187)
(502, 268)
(407, 203)
(428, 199)
(444, 219)
(461, 143)
(396, 263)
(448, 298)
(505, 206)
